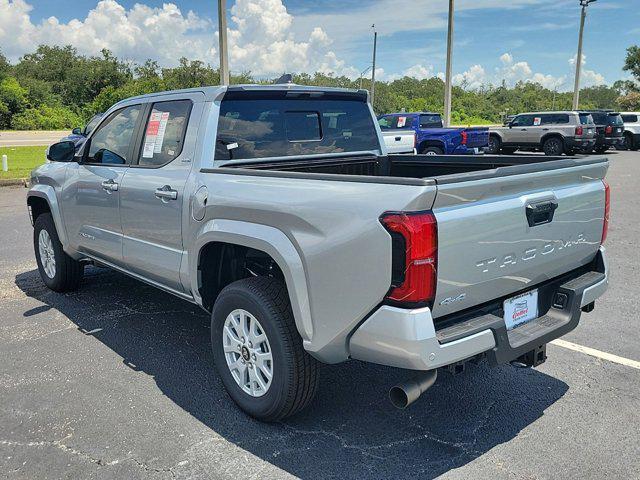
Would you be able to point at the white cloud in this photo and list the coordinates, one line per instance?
(475, 77)
(142, 32)
(588, 78)
(419, 71)
(260, 36)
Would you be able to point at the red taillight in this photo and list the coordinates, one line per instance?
(415, 252)
(579, 131)
(607, 210)
(608, 130)
(465, 137)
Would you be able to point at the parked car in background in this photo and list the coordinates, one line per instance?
(431, 138)
(554, 133)
(400, 141)
(79, 135)
(609, 129)
(631, 139)
(276, 210)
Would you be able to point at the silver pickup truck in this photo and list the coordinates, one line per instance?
(278, 210)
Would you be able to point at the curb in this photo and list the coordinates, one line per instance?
(14, 182)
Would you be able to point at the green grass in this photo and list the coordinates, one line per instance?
(21, 160)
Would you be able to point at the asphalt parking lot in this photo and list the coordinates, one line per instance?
(116, 381)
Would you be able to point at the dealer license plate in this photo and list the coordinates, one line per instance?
(521, 309)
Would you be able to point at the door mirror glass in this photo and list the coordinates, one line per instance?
(61, 152)
(77, 131)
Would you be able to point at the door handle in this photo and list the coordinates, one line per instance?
(523, 129)
(545, 129)
(166, 193)
(109, 186)
(541, 212)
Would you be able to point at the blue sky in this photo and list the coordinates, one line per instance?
(495, 40)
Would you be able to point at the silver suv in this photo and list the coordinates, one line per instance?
(554, 133)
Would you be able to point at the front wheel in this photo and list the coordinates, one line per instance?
(59, 271)
(553, 147)
(258, 351)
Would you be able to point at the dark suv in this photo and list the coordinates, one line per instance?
(609, 129)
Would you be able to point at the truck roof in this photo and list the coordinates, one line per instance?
(213, 92)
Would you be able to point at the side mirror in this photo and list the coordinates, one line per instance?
(77, 131)
(62, 152)
(510, 124)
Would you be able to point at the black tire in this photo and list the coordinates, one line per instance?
(493, 148)
(628, 142)
(553, 146)
(432, 151)
(600, 150)
(509, 150)
(295, 372)
(68, 272)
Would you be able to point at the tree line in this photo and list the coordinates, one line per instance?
(56, 88)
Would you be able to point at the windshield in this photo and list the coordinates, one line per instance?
(283, 127)
(615, 119)
(586, 119)
(92, 124)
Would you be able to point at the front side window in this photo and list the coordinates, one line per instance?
(396, 122)
(164, 132)
(266, 127)
(110, 143)
(524, 121)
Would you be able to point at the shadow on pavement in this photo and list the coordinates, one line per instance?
(350, 431)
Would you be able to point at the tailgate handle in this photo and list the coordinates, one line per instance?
(398, 139)
(541, 213)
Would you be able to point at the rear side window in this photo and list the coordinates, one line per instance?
(265, 127)
(396, 122)
(111, 143)
(430, 121)
(164, 132)
(586, 119)
(630, 118)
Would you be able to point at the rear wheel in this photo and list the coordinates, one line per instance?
(493, 147)
(627, 143)
(433, 151)
(553, 146)
(59, 271)
(258, 351)
(509, 150)
(600, 149)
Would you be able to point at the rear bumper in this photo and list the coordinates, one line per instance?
(613, 141)
(462, 150)
(580, 143)
(411, 339)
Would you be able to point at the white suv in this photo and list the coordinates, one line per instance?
(631, 130)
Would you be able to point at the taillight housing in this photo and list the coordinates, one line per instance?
(465, 137)
(579, 131)
(607, 210)
(414, 237)
(608, 130)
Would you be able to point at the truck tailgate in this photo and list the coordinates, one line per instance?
(477, 137)
(503, 231)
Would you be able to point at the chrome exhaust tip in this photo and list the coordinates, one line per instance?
(406, 393)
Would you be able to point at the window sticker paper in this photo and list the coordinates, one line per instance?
(162, 128)
(151, 135)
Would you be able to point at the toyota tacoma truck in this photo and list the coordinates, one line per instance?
(278, 210)
(431, 138)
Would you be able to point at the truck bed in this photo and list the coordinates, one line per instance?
(445, 168)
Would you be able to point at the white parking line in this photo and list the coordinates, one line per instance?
(597, 353)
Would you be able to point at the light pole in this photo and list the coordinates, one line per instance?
(373, 66)
(362, 75)
(447, 86)
(222, 37)
(576, 89)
